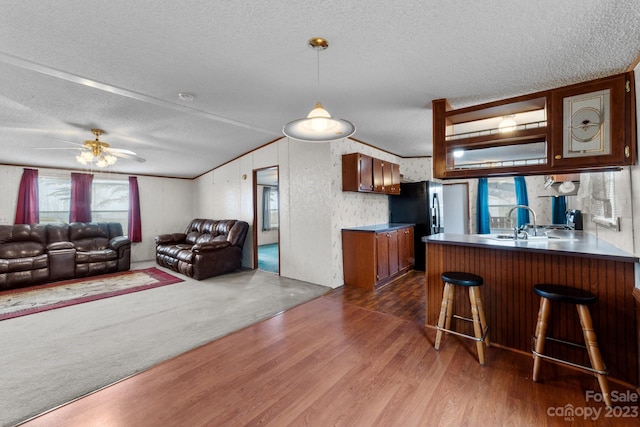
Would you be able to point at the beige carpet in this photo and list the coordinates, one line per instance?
(52, 357)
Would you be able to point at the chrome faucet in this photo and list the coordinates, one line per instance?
(535, 229)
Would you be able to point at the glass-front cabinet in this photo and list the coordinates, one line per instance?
(583, 126)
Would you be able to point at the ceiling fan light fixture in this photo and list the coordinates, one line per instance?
(94, 152)
(319, 126)
(102, 162)
(80, 159)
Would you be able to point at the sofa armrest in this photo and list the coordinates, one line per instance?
(210, 246)
(57, 246)
(118, 242)
(164, 239)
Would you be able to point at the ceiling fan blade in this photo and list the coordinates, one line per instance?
(57, 148)
(120, 150)
(125, 155)
(68, 142)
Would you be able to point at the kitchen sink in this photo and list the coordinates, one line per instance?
(530, 238)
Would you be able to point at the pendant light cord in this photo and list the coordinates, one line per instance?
(318, 66)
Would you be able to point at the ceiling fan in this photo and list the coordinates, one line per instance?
(100, 153)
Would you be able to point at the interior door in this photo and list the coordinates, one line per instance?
(456, 205)
(266, 251)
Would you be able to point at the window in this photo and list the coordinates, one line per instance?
(109, 199)
(602, 199)
(502, 197)
(273, 208)
(54, 198)
(269, 208)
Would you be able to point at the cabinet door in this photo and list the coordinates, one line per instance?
(357, 172)
(365, 172)
(382, 255)
(378, 175)
(387, 254)
(394, 182)
(589, 124)
(406, 256)
(392, 239)
(386, 177)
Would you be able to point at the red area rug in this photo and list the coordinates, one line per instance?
(34, 299)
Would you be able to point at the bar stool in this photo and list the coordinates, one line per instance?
(581, 299)
(480, 328)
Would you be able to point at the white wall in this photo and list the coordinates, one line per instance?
(10, 177)
(166, 206)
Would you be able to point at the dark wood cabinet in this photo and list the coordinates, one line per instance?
(589, 124)
(357, 172)
(368, 174)
(373, 256)
(406, 248)
(584, 126)
(387, 254)
(391, 178)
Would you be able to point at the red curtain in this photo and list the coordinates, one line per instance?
(80, 197)
(135, 225)
(28, 211)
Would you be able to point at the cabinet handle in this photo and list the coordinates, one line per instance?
(558, 156)
(627, 86)
(627, 152)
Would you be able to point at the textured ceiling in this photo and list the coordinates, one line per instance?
(66, 67)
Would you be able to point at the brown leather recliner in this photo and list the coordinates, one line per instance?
(38, 253)
(206, 248)
(23, 255)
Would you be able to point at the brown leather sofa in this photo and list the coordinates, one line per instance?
(38, 253)
(206, 248)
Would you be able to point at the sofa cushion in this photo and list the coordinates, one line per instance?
(57, 233)
(88, 236)
(172, 250)
(22, 240)
(96, 256)
(21, 249)
(24, 264)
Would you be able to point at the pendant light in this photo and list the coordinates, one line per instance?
(319, 126)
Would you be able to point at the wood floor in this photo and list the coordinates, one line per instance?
(349, 358)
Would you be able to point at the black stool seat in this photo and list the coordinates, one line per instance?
(462, 279)
(566, 294)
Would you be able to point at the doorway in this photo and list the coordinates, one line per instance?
(456, 207)
(266, 202)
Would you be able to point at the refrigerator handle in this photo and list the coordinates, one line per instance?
(435, 214)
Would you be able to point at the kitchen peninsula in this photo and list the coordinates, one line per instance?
(511, 268)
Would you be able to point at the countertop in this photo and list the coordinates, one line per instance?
(575, 243)
(380, 227)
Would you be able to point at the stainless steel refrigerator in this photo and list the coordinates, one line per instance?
(418, 203)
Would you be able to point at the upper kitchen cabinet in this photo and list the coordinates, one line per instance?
(367, 174)
(357, 172)
(570, 129)
(594, 123)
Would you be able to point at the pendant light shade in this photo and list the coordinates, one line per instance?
(319, 126)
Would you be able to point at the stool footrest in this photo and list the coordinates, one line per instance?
(562, 361)
(572, 344)
(472, 337)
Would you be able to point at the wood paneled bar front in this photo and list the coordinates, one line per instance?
(510, 270)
